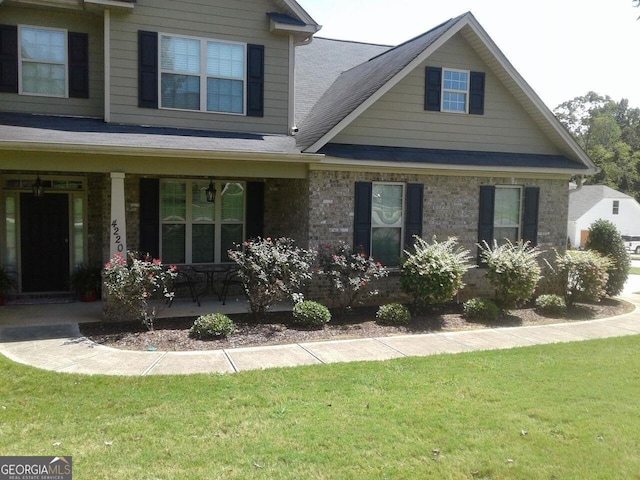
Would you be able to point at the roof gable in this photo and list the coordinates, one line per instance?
(355, 90)
(583, 199)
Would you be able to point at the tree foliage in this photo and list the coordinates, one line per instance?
(609, 132)
(606, 240)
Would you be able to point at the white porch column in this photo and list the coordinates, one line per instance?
(118, 224)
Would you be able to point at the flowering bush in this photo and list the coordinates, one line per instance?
(512, 269)
(133, 281)
(351, 273)
(584, 274)
(432, 272)
(272, 270)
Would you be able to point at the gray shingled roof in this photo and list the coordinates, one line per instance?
(320, 62)
(355, 86)
(89, 131)
(581, 200)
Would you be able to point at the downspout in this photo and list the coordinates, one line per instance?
(107, 65)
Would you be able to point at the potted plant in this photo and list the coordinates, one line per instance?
(86, 282)
(6, 284)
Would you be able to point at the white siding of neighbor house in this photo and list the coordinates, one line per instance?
(398, 118)
(239, 21)
(627, 221)
(72, 22)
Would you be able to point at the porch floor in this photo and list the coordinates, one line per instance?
(47, 314)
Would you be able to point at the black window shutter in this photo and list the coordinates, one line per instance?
(255, 210)
(433, 88)
(78, 47)
(530, 216)
(147, 69)
(9, 58)
(476, 93)
(413, 214)
(150, 216)
(485, 215)
(362, 217)
(255, 80)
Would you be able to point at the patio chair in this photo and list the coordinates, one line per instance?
(231, 278)
(184, 280)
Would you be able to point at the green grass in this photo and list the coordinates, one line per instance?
(634, 270)
(443, 417)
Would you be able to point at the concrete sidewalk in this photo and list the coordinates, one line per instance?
(61, 348)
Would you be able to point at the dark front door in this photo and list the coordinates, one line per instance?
(44, 242)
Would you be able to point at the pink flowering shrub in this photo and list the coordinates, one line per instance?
(134, 281)
(272, 270)
(351, 274)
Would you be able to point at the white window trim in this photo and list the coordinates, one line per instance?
(202, 75)
(518, 226)
(217, 217)
(66, 62)
(401, 222)
(466, 92)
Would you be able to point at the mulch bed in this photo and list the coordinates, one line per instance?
(274, 328)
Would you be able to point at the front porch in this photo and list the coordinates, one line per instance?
(55, 314)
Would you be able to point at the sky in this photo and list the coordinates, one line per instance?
(562, 48)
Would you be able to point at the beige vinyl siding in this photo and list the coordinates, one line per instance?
(72, 22)
(238, 21)
(398, 118)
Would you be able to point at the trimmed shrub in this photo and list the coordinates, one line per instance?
(512, 269)
(310, 314)
(351, 273)
(550, 304)
(213, 325)
(605, 238)
(432, 272)
(584, 275)
(272, 270)
(393, 314)
(480, 309)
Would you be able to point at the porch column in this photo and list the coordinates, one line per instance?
(118, 226)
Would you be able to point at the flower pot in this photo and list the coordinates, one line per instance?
(91, 296)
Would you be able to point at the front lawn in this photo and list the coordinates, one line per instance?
(554, 411)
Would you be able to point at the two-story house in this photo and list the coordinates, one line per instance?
(183, 127)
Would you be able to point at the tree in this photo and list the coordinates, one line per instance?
(606, 240)
(609, 132)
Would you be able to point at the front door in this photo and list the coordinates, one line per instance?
(44, 242)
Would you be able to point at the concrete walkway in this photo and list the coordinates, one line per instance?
(61, 348)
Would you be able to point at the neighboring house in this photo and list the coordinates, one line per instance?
(589, 203)
(128, 112)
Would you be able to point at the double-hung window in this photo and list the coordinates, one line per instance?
(616, 207)
(507, 208)
(387, 222)
(43, 61)
(202, 74)
(194, 230)
(455, 90)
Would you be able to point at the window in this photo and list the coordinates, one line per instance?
(506, 219)
(458, 91)
(455, 90)
(616, 207)
(201, 74)
(43, 61)
(194, 230)
(386, 222)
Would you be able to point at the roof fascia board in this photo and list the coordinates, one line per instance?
(326, 138)
(531, 94)
(280, 27)
(112, 4)
(281, 157)
(331, 163)
(301, 13)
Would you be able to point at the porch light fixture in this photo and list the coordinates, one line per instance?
(38, 188)
(211, 192)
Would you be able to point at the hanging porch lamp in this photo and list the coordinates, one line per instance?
(211, 192)
(38, 188)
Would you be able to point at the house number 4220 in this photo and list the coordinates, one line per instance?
(117, 236)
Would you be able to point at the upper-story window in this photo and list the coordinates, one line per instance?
(43, 61)
(616, 207)
(201, 74)
(455, 90)
(451, 90)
